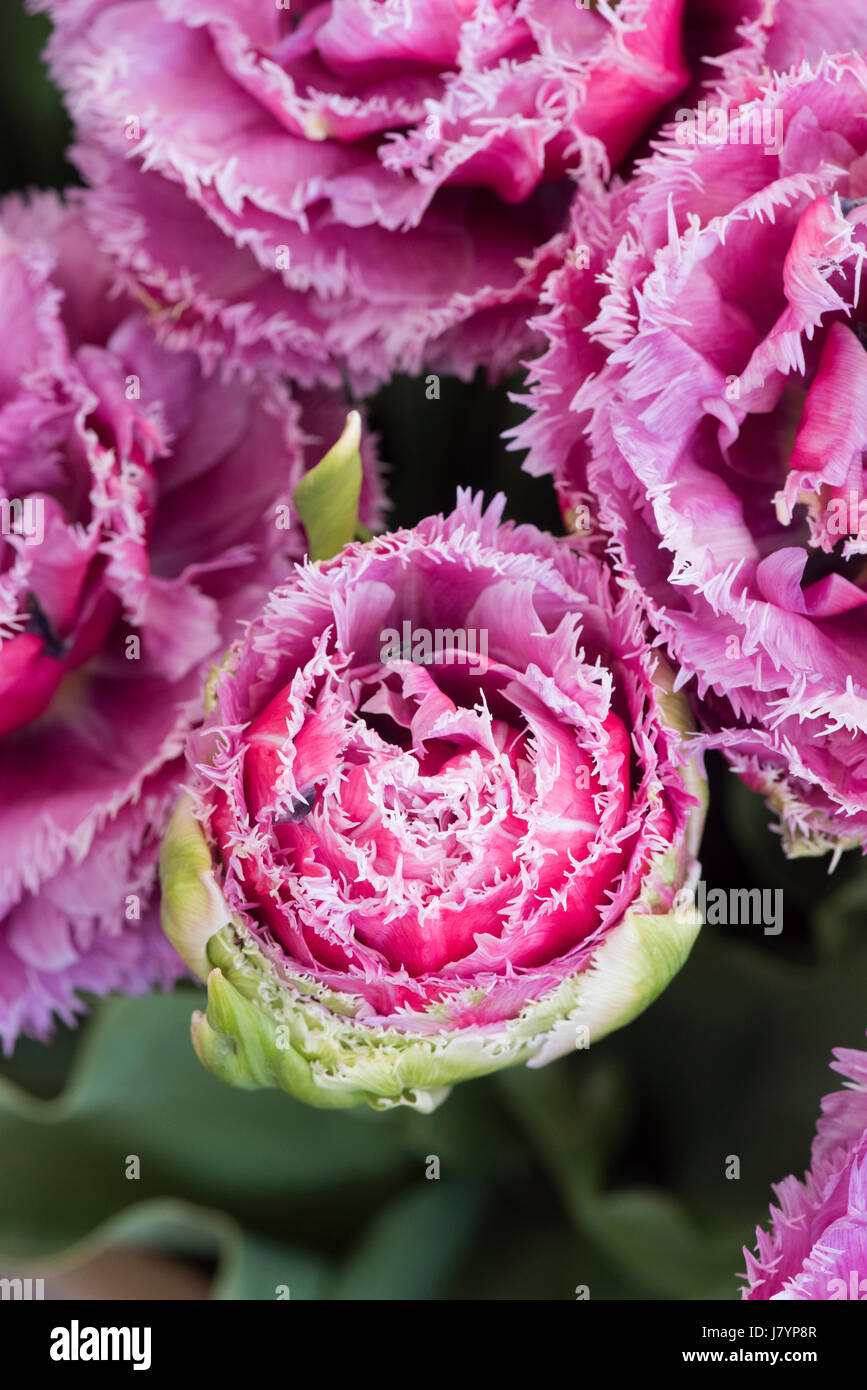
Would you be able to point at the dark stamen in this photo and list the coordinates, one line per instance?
(860, 331)
(301, 809)
(39, 624)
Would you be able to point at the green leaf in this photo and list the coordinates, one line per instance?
(298, 1174)
(414, 1246)
(575, 1113)
(263, 1269)
(575, 1118)
(326, 498)
(247, 1266)
(652, 1239)
(840, 920)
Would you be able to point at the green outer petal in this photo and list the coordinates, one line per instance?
(267, 1025)
(192, 908)
(239, 1042)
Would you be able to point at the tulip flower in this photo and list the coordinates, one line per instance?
(437, 819)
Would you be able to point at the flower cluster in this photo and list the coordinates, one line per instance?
(430, 801)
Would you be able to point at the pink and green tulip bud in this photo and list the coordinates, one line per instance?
(437, 819)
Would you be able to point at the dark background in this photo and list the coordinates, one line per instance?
(606, 1170)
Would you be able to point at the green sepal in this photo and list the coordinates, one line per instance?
(326, 498)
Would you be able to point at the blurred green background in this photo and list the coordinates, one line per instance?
(606, 1172)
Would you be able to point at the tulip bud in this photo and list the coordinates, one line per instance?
(439, 818)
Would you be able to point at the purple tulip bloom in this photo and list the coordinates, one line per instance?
(817, 1245)
(702, 403)
(144, 511)
(372, 183)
